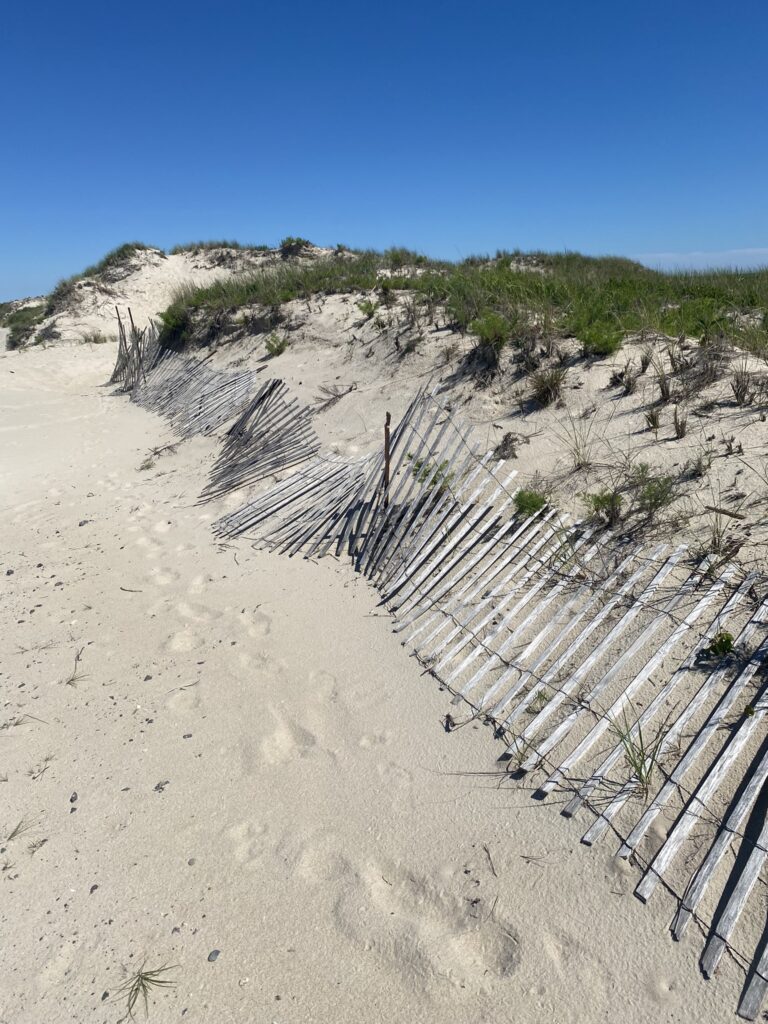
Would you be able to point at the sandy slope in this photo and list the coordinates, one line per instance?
(248, 761)
(145, 283)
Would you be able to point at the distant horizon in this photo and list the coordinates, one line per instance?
(745, 259)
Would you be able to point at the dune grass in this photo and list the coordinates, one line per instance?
(512, 299)
(514, 296)
(219, 244)
(114, 258)
(139, 986)
(22, 324)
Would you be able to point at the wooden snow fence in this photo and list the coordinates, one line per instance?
(631, 679)
(136, 350)
(196, 397)
(273, 433)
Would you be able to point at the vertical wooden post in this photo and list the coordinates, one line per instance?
(386, 459)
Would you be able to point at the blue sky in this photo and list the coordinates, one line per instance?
(452, 128)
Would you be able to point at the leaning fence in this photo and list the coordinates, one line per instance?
(629, 679)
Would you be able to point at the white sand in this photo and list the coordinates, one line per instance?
(261, 769)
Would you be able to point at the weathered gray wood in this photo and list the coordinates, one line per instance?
(700, 881)
(520, 743)
(601, 823)
(608, 719)
(696, 808)
(706, 733)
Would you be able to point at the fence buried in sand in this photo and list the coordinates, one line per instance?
(597, 662)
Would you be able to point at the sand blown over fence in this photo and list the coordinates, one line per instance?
(628, 680)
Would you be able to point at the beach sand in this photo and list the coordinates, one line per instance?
(247, 761)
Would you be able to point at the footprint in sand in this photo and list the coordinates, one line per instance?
(160, 576)
(248, 840)
(184, 700)
(325, 686)
(256, 624)
(197, 612)
(55, 970)
(151, 547)
(287, 741)
(428, 933)
(183, 641)
(196, 586)
(377, 739)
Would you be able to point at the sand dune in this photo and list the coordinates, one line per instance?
(213, 749)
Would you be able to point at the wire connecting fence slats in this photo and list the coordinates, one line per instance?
(594, 660)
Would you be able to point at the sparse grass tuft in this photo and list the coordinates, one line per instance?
(653, 419)
(94, 338)
(680, 420)
(641, 752)
(547, 385)
(276, 344)
(741, 384)
(218, 244)
(141, 984)
(112, 261)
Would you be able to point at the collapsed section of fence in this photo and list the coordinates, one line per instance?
(272, 434)
(195, 396)
(630, 680)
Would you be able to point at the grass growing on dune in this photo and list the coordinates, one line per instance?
(507, 299)
(113, 259)
(223, 244)
(22, 324)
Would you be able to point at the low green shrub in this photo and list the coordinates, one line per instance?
(293, 245)
(604, 506)
(276, 344)
(528, 503)
(721, 644)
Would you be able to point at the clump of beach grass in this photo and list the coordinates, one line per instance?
(140, 985)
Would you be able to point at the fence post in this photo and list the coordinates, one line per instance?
(386, 459)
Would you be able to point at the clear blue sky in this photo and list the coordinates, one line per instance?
(448, 127)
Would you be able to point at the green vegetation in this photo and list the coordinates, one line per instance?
(222, 244)
(604, 506)
(528, 503)
(641, 752)
(367, 308)
(116, 258)
(523, 301)
(94, 338)
(516, 299)
(547, 385)
(22, 324)
(493, 331)
(721, 644)
(139, 986)
(434, 475)
(292, 245)
(276, 344)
